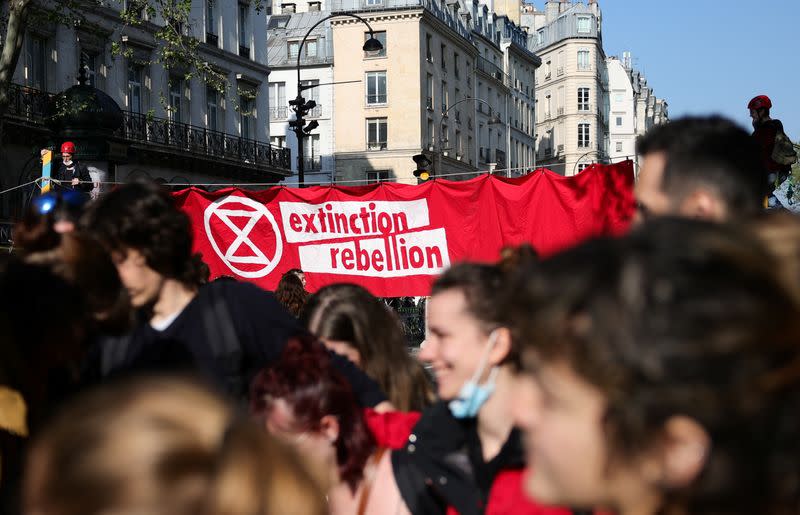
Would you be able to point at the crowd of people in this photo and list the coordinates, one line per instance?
(653, 373)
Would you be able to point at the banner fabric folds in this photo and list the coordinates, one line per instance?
(394, 239)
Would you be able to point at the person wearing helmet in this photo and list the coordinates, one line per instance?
(72, 174)
(766, 130)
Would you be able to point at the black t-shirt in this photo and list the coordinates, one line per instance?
(261, 328)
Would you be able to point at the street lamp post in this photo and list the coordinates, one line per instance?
(574, 168)
(299, 104)
(493, 120)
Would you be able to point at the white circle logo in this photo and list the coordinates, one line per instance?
(242, 255)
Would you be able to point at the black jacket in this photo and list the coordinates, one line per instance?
(81, 172)
(442, 465)
(226, 334)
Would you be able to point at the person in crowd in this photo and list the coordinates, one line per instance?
(300, 275)
(72, 175)
(163, 445)
(352, 322)
(291, 293)
(779, 231)
(698, 167)
(775, 149)
(661, 374)
(232, 329)
(465, 454)
(47, 218)
(302, 399)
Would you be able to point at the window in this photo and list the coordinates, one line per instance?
(314, 6)
(583, 135)
(247, 114)
(378, 176)
(374, 2)
(430, 136)
(583, 99)
(428, 51)
(376, 88)
(540, 37)
(212, 109)
(456, 66)
(429, 92)
(312, 93)
(211, 26)
(36, 63)
(176, 111)
(618, 96)
(583, 60)
(583, 166)
(311, 48)
(311, 153)
(619, 146)
(380, 36)
(292, 49)
(244, 11)
(91, 67)
(445, 97)
(619, 121)
(277, 141)
(134, 99)
(277, 100)
(459, 149)
(584, 24)
(376, 133)
(444, 58)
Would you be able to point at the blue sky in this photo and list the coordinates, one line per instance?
(712, 56)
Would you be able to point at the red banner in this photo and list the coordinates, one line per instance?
(394, 238)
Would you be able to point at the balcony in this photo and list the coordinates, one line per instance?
(561, 149)
(560, 71)
(489, 68)
(244, 51)
(312, 164)
(429, 104)
(199, 141)
(212, 39)
(560, 111)
(27, 105)
(278, 113)
(376, 145)
(500, 157)
(548, 152)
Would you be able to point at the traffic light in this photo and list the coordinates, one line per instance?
(422, 172)
(301, 109)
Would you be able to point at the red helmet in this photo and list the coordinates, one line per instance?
(760, 102)
(68, 147)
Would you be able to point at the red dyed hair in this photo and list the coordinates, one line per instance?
(306, 380)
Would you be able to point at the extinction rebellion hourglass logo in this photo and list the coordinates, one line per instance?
(374, 238)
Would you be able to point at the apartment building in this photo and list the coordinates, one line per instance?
(572, 97)
(173, 129)
(634, 107)
(418, 94)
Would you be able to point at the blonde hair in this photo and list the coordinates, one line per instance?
(163, 446)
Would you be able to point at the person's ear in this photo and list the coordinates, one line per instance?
(502, 346)
(680, 455)
(703, 204)
(329, 426)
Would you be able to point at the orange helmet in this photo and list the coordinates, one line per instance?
(760, 102)
(68, 147)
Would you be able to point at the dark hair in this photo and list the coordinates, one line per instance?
(713, 152)
(80, 261)
(305, 379)
(291, 293)
(348, 312)
(142, 216)
(680, 318)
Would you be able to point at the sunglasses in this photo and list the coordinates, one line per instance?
(46, 203)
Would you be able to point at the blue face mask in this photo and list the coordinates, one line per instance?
(472, 395)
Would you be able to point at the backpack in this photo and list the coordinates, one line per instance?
(783, 152)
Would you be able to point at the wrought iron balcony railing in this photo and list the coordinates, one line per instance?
(199, 140)
(28, 104)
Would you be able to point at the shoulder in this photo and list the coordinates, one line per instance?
(507, 496)
(391, 429)
(238, 292)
